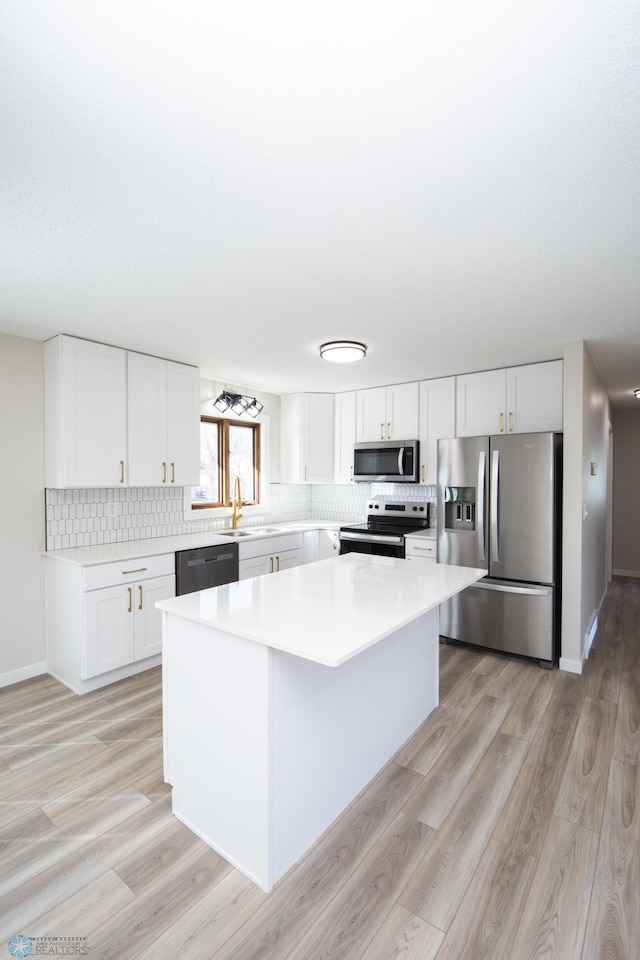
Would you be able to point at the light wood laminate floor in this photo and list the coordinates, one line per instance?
(507, 827)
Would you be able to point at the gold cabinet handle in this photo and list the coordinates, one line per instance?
(164, 471)
(382, 431)
(277, 564)
(126, 573)
(388, 431)
(502, 423)
(122, 471)
(350, 473)
(305, 473)
(130, 607)
(424, 549)
(422, 477)
(510, 421)
(173, 472)
(140, 603)
(270, 564)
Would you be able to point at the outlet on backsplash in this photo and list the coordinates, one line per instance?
(112, 509)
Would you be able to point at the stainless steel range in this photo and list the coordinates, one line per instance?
(384, 531)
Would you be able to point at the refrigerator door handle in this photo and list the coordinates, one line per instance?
(502, 588)
(480, 511)
(495, 497)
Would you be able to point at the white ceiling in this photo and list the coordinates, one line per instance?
(232, 183)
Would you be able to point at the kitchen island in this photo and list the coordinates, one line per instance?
(284, 695)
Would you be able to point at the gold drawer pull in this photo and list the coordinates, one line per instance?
(126, 573)
(130, 607)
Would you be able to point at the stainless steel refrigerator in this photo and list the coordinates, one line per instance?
(499, 502)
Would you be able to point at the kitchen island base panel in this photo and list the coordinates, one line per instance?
(265, 749)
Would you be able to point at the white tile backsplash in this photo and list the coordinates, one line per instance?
(84, 517)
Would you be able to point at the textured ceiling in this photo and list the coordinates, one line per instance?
(232, 183)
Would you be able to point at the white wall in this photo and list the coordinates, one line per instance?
(626, 492)
(584, 561)
(22, 633)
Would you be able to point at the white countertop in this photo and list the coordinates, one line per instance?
(327, 611)
(130, 549)
(429, 534)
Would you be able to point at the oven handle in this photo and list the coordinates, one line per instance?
(384, 538)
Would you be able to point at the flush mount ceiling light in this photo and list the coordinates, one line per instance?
(343, 351)
(238, 404)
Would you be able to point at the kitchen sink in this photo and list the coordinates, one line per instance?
(253, 531)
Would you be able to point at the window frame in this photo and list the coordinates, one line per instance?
(225, 490)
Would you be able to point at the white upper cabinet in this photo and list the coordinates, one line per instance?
(480, 402)
(164, 421)
(534, 397)
(524, 399)
(85, 414)
(387, 413)
(113, 417)
(345, 435)
(437, 421)
(306, 438)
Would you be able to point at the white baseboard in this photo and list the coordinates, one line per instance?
(571, 666)
(23, 673)
(626, 573)
(588, 640)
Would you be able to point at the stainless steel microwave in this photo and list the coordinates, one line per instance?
(394, 461)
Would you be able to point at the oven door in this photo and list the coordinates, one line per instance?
(373, 544)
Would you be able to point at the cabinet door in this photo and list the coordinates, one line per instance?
(255, 567)
(345, 435)
(286, 559)
(329, 544)
(402, 412)
(109, 629)
(306, 438)
(480, 403)
(534, 397)
(318, 443)
(147, 386)
(85, 414)
(148, 620)
(371, 414)
(183, 424)
(437, 421)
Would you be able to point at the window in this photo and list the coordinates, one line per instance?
(228, 449)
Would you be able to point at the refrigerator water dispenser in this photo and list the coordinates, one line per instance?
(460, 509)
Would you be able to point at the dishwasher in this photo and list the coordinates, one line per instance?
(205, 567)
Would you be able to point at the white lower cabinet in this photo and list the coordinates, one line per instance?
(320, 545)
(102, 622)
(269, 555)
(420, 548)
(122, 623)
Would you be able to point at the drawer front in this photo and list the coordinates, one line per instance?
(268, 546)
(128, 571)
(420, 549)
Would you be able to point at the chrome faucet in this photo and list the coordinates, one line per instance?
(237, 503)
